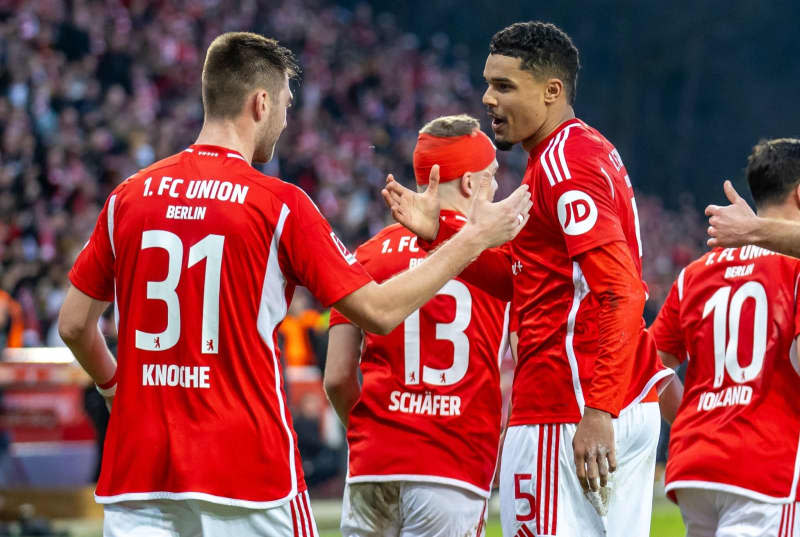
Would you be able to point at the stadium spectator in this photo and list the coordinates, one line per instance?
(11, 324)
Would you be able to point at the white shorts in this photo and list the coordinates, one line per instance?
(187, 518)
(714, 513)
(411, 509)
(540, 493)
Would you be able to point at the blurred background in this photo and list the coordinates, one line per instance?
(91, 91)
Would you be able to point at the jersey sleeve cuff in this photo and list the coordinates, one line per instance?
(88, 290)
(343, 291)
(606, 406)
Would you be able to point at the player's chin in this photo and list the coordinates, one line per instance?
(502, 143)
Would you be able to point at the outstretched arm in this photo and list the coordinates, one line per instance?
(736, 225)
(379, 308)
(419, 213)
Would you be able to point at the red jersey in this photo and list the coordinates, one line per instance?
(734, 313)
(582, 199)
(201, 254)
(430, 405)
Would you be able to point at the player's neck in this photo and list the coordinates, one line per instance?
(227, 134)
(550, 124)
(783, 211)
(448, 205)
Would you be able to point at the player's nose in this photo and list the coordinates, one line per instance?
(488, 98)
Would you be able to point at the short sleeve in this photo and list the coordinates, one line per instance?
(666, 329)
(337, 318)
(318, 258)
(584, 206)
(93, 271)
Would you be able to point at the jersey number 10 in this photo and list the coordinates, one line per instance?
(210, 249)
(726, 357)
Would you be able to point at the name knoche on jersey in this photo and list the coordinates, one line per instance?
(212, 189)
(745, 253)
(184, 376)
(425, 404)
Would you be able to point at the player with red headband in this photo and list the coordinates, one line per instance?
(584, 399)
(424, 427)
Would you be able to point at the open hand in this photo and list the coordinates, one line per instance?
(417, 212)
(498, 222)
(732, 225)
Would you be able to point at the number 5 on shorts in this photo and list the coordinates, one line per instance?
(527, 496)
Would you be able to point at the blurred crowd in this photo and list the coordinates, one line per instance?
(92, 90)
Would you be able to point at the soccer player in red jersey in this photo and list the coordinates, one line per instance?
(734, 459)
(200, 254)
(584, 399)
(423, 430)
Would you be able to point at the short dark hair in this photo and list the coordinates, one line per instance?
(236, 64)
(451, 126)
(773, 170)
(544, 48)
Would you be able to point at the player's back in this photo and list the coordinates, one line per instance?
(206, 254)
(734, 314)
(430, 402)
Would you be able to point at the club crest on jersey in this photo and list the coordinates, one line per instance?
(350, 258)
(576, 212)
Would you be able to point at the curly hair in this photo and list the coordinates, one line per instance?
(773, 170)
(544, 48)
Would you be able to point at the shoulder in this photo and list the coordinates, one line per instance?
(374, 244)
(576, 152)
(584, 146)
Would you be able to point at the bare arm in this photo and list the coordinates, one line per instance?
(669, 398)
(736, 225)
(513, 341)
(379, 308)
(341, 369)
(77, 326)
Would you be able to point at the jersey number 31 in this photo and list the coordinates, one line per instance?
(208, 248)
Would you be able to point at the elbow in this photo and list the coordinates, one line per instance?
(383, 328)
(332, 386)
(70, 331)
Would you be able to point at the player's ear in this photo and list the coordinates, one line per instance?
(466, 184)
(796, 196)
(260, 103)
(553, 89)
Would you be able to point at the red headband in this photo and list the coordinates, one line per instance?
(455, 155)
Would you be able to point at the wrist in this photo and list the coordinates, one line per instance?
(470, 241)
(599, 413)
(109, 387)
